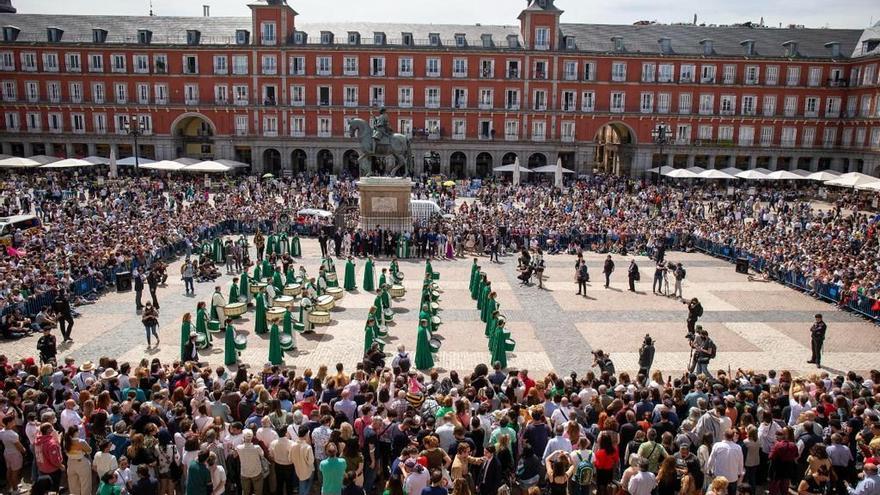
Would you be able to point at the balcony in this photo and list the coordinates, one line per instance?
(221, 101)
(812, 114)
(837, 83)
(513, 74)
(570, 76)
(241, 132)
(727, 112)
(542, 47)
(325, 134)
(432, 104)
(538, 138)
(379, 102)
(788, 143)
(540, 108)
(297, 134)
(567, 139)
(588, 108)
(487, 73)
(568, 107)
(434, 135)
(484, 105)
(350, 72)
(241, 102)
(707, 80)
(32, 129)
(832, 115)
(298, 103)
(270, 133)
(706, 111)
(405, 103)
(459, 104)
(512, 106)
(616, 110)
(432, 73)
(459, 74)
(323, 103)
(323, 72)
(511, 137)
(191, 101)
(405, 73)
(486, 137)
(161, 101)
(350, 103)
(750, 82)
(378, 73)
(539, 74)
(457, 137)
(687, 79)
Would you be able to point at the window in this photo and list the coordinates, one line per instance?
(686, 75)
(459, 67)
(146, 123)
(667, 73)
(377, 66)
(570, 71)
(683, 134)
(7, 61)
(433, 128)
(432, 97)
(793, 76)
(459, 98)
(648, 71)
(269, 64)
(404, 96)
(539, 130)
(769, 105)
(142, 64)
(836, 78)
(767, 136)
(405, 66)
(72, 62)
(772, 76)
(161, 94)
(618, 71)
(707, 74)
(32, 91)
(729, 74)
(617, 101)
(728, 104)
(267, 30)
(220, 66)
(789, 136)
(143, 93)
(540, 99)
(541, 69)
(29, 62)
(241, 125)
(55, 122)
(324, 96)
(221, 94)
(118, 61)
(865, 109)
(53, 91)
(121, 91)
(811, 106)
(647, 103)
(707, 104)
(323, 66)
(487, 69)
(350, 66)
(789, 108)
(752, 72)
(405, 127)
(485, 129)
(351, 96)
(297, 66)
(377, 96)
(190, 64)
(748, 105)
(34, 121)
(96, 62)
(239, 65)
(298, 127)
(191, 94)
(542, 38)
(588, 101)
(663, 102)
(78, 123)
(568, 132)
(486, 99)
(511, 101)
(589, 71)
(846, 138)
(270, 126)
(568, 101)
(76, 92)
(809, 137)
(814, 77)
(860, 137)
(432, 67)
(829, 137)
(851, 104)
(161, 64)
(50, 62)
(511, 130)
(725, 133)
(868, 75)
(746, 135)
(434, 39)
(379, 39)
(459, 129)
(513, 69)
(12, 122)
(99, 123)
(324, 127)
(832, 107)
(240, 93)
(684, 103)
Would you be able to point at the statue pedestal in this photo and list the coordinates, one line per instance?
(385, 202)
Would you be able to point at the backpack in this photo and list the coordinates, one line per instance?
(713, 349)
(680, 273)
(404, 364)
(583, 474)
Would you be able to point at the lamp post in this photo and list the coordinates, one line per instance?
(662, 136)
(134, 130)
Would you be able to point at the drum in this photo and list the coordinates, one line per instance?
(282, 301)
(435, 307)
(436, 321)
(234, 310)
(397, 291)
(258, 287)
(201, 341)
(435, 295)
(240, 342)
(382, 332)
(398, 277)
(292, 290)
(509, 345)
(214, 326)
(274, 315)
(331, 277)
(336, 292)
(381, 343)
(325, 302)
(388, 314)
(319, 317)
(435, 345)
(286, 342)
(299, 327)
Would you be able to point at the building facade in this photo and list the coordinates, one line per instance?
(278, 94)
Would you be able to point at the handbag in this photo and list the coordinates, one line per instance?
(264, 467)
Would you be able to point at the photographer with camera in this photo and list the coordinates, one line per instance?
(646, 357)
(695, 311)
(603, 362)
(703, 350)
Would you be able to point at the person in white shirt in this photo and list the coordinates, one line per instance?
(218, 475)
(642, 483)
(446, 432)
(251, 457)
(714, 421)
(562, 413)
(798, 405)
(265, 433)
(558, 442)
(69, 416)
(281, 451)
(726, 459)
(105, 461)
(303, 458)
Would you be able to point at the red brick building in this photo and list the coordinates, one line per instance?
(278, 93)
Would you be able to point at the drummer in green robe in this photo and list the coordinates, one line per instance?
(382, 279)
(230, 354)
(295, 248)
(369, 284)
(425, 314)
(380, 310)
(268, 270)
(371, 335)
(488, 307)
(493, 321)
(217, 251)
(287, 327)
(396, 275)
(475, 277)
(430, 270)
(478, 286)
(244, 287)
(424, 358)
(278, 283)
(202, 321)
(386, 297)
(260, 323)
(484, 295)
(258, 274)
(499, 345)
(271, 245)
(349, 284)
(185, 332)
(233, 291)
(275, 356)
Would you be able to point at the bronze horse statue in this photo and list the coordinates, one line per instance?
(398, 146)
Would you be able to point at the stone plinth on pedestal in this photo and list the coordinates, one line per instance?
(385, 201)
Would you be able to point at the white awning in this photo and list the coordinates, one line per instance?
(852, 179)
(824, 175)
(166, 165)
(661, 170)
(752, 175)
(69, 163)
(550, 169)
(715, 174)
(696, 170)
(681, 173)
(28, 162)
(785, 175)
(130, 161)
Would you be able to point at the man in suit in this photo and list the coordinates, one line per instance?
(489, 479)
(153, 283)
(817, 339)
(633, 275)
(61, 306)
(322, 240)
(608, 269)
(581, 275)
(138, 289)
(337, 242)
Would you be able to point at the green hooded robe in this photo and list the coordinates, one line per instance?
(349, 284)
(275, 356)
(185, 331)
(424, 359)
(369, 284)
(260, 325)
(230, 354)
(295, 248)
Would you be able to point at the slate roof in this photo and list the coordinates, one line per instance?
(685, 39)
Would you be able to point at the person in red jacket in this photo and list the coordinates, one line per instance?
(47, 450)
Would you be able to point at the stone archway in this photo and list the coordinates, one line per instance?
(508, 158)
(193, 136)
(613, 148)
(537, 160)
(350, 163)
(484, 164)
(325, 162)
(298, 161)
(272, 162)
(457, 165)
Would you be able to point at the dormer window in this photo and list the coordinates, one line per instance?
(512, 41)
(834, 48)
(870, 45)
(242, 37)
(193, 37)
(748, 47)
(708, 47)
(10, 33)
(300, 38)
(570, 43)
(99, 35)
(145, 36)
(326, 38)
(460, 40)
(407, 39)
(665, 46)
(379, 38)
(617, 41)
(434, 39)
(53, 34)
(487, 40)
(791, 48)
(354, 38)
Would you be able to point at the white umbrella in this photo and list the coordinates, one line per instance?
(548, 169)
(661, 170)
(852, 179)
(97, 160)
(208, 167)
(696, 170)
(824, 175)
(765, 171)
(130, 161)
(715, 174)
(785, 175)
(114, 172)
(730, 171)
(803, 173)
(167, 165)
(516, 172)
(186, 161)
(752, 175)
(233, 163)
(29, 162)
(681, 173)
(870, 186)
(69, 163)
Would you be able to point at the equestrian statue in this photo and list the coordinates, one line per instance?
(379, 140)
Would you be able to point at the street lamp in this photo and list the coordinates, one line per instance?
(662, 135)
(133, 128)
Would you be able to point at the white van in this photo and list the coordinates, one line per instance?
(423, 211)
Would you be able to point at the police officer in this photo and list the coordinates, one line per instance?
(817, 338)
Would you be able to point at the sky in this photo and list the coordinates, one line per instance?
(811, 13)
